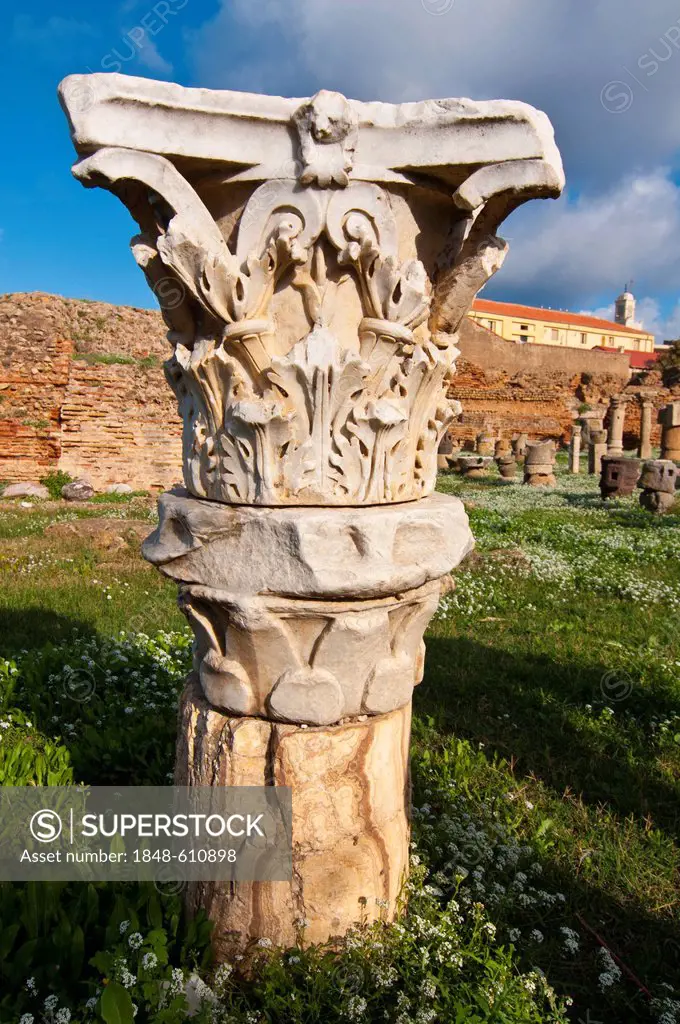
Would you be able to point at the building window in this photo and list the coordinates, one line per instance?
(554, 334)
(584, 338)
(611, 341)
(523, 339)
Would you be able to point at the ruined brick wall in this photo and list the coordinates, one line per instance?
(82, 389)
(508, 388)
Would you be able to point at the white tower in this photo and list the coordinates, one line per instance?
(625, 308)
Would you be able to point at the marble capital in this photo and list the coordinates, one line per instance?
(314, 259)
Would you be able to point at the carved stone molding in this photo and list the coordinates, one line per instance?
(311, 552)
(314, 662)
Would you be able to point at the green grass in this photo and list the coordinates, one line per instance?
(557, 657)
(545, 760)
(114, 358)
(104, 358)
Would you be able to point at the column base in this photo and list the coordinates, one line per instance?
(351, 800)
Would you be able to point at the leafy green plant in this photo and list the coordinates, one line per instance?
(148, 362)
(54, 481)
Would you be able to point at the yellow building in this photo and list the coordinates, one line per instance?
(533, 326)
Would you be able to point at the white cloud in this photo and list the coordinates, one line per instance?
(607, 74)
(595, 243)
(649, 315)
(560, 55)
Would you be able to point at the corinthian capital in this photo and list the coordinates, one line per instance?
(313, 259)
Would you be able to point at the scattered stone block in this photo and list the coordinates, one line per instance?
(619, 476)
(507, 466)
(474, 467)
(25, 490)
(486, 444)
(77, 490)
(520, 443)
(659, 480)
(539, 464)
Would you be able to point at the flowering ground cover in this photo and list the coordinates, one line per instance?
(546, 770)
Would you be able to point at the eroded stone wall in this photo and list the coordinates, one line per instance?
(508, 388)
(82, 389)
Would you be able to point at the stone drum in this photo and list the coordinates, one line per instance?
(619, 476)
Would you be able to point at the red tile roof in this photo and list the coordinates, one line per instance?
(557, 316)
(640, 360)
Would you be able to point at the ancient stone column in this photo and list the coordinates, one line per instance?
(314, 260)
(669, 418)
(444, 451)
(617, 417)
(519, 445)
(485, 443)
(596, 451)
(646, 414)
(575, 450)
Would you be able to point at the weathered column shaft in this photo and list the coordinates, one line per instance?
(314, 261)
(596, 451)
(617, 417)
(669, 418)
(575, 450)
(646, 413)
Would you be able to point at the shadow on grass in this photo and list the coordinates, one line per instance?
(29, 629)
(521, 707)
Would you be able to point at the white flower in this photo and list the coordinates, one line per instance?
(123, 927)
(27, 1018)
(51, 1003)
(265, 943)
(63, 1015)
(135, 940)
(611, 973)
(536, 936)
(149, 961)
(126, 978)
(30, 985)
(572, 940)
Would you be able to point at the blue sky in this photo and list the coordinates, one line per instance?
(606, 71)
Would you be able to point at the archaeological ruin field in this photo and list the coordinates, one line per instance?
(545, 768)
